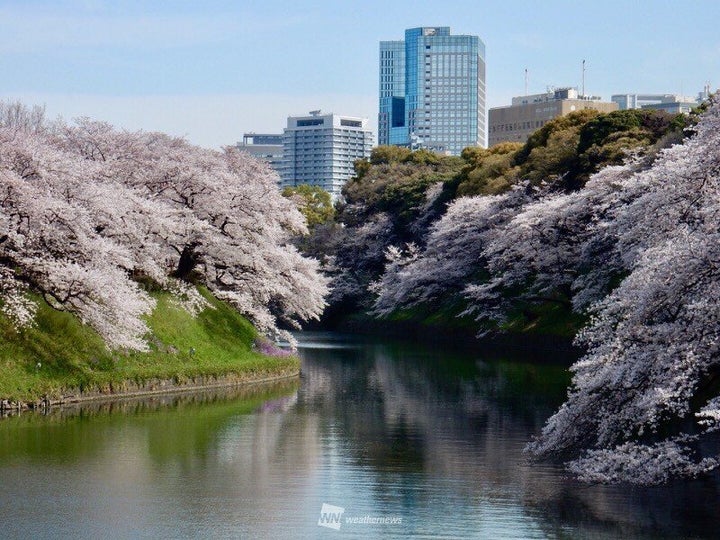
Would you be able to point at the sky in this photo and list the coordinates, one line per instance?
(212, 70)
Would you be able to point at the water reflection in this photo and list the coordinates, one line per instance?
(461, 422)
(429, 434)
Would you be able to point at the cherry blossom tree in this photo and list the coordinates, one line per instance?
(644, 404)
(454, 254)
(16, 115)
(50, 245)
(639, 246)
(88, 211)
(556, 248)
(530, 245)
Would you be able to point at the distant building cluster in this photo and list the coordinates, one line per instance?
(527, 114)
(432, 96)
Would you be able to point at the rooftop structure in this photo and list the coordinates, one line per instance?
(672, 103)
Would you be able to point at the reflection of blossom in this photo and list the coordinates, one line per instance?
(282, 404)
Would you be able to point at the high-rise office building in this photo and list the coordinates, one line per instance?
(320, 149)
(432, 91)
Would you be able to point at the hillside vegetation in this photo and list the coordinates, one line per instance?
(396, 206)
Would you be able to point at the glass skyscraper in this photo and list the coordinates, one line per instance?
(432, 91)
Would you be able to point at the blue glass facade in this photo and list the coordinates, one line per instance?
(442, 87)
(391, 120)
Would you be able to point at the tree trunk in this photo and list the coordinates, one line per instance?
(187, 263)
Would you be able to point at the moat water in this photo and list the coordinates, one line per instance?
(395, 439)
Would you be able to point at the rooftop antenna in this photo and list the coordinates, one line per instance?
(526, 82)
(583, 79)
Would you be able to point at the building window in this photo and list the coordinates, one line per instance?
(310, 122)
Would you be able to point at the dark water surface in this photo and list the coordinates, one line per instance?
(428, 439)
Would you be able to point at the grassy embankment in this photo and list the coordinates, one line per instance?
(59, 354)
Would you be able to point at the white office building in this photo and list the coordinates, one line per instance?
(671, 103)
(320, 149)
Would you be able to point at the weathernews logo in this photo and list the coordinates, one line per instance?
(332, 517)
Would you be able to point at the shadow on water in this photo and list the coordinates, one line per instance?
(434, 434)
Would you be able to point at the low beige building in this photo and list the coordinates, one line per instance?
(527, 114)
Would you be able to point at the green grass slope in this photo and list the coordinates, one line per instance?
(60, 354)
